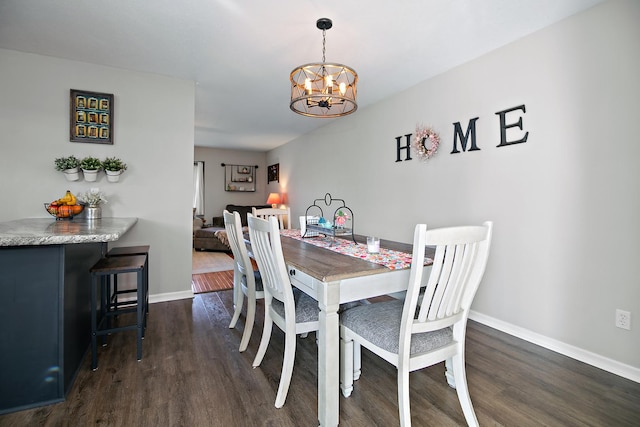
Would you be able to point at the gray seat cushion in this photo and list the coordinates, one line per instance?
(258, 280)
(379, 323)
(306, 307)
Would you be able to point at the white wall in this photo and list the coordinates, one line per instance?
(153, 134)
(216, 198)
(565, 203)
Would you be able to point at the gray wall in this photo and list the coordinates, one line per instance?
(153, 134)
(216, 198)
(565, 203)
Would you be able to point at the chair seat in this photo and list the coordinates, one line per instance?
(379, 324)
(258, 280)
(306, 307)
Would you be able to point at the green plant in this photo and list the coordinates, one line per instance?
(90, 163)
(113, 164)
(64, 163)
(93, 197)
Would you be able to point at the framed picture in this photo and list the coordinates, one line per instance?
(95, 110)
(273, 173)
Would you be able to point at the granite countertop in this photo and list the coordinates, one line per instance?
(47, 231)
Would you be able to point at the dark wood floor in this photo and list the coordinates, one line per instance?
(191, 374)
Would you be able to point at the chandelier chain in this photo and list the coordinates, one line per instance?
(324, 41)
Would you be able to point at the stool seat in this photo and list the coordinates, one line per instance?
(101, 274)
(119, 264)
(129, 250)
(122, 251)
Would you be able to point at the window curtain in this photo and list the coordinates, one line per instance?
(198, 188)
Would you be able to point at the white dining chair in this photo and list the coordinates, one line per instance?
(282, 214)
(293, 312)
(429, 326)
(246, 281)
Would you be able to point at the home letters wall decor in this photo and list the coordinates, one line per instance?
(467, 139)
(91, 117)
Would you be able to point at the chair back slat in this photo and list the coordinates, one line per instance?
(466, 267)
(458, 265)
(267, 250)
(283, 215)
(233, 228)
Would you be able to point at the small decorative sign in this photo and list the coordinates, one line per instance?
(91, 117)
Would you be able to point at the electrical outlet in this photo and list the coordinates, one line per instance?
(623, 319)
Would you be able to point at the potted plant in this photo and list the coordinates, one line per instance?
(90, 167)
(69, 166)
(113, 167)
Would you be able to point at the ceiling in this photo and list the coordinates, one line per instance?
(240, 52)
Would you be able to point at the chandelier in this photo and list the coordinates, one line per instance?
(323, 90)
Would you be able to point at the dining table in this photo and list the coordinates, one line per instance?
(335, 271)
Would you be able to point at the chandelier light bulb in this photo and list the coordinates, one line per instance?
(329, 81)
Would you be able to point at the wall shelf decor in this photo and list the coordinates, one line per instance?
(239, 177)
(91, 117)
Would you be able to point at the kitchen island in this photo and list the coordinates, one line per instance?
(45, 323)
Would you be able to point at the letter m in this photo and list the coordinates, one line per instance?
(464, 138)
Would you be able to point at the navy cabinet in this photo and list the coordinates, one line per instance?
(44, 321)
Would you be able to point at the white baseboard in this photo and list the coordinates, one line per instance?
(170, 296)
(582, 355)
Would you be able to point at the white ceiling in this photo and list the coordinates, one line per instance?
(240, 52)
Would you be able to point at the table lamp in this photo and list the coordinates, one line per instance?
(273, 200)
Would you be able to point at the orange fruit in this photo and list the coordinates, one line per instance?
(64, 211)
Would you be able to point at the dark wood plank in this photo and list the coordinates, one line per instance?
(192, 374)
(325, 264)
(212, 282)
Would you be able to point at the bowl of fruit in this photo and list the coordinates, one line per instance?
(64, 208)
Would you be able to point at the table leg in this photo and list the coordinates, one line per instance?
(328, 355)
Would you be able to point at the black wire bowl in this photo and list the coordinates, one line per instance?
(63, 211)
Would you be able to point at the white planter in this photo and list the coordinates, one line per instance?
(90, 175)
(113, 176)
(72, 174)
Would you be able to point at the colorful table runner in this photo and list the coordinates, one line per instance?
(393, 260)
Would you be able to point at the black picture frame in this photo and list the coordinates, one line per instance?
(91, 117)
(273, 173)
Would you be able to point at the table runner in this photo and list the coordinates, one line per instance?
(393, 260)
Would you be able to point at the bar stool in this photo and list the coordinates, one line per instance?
(101, 273)
(122, 251)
